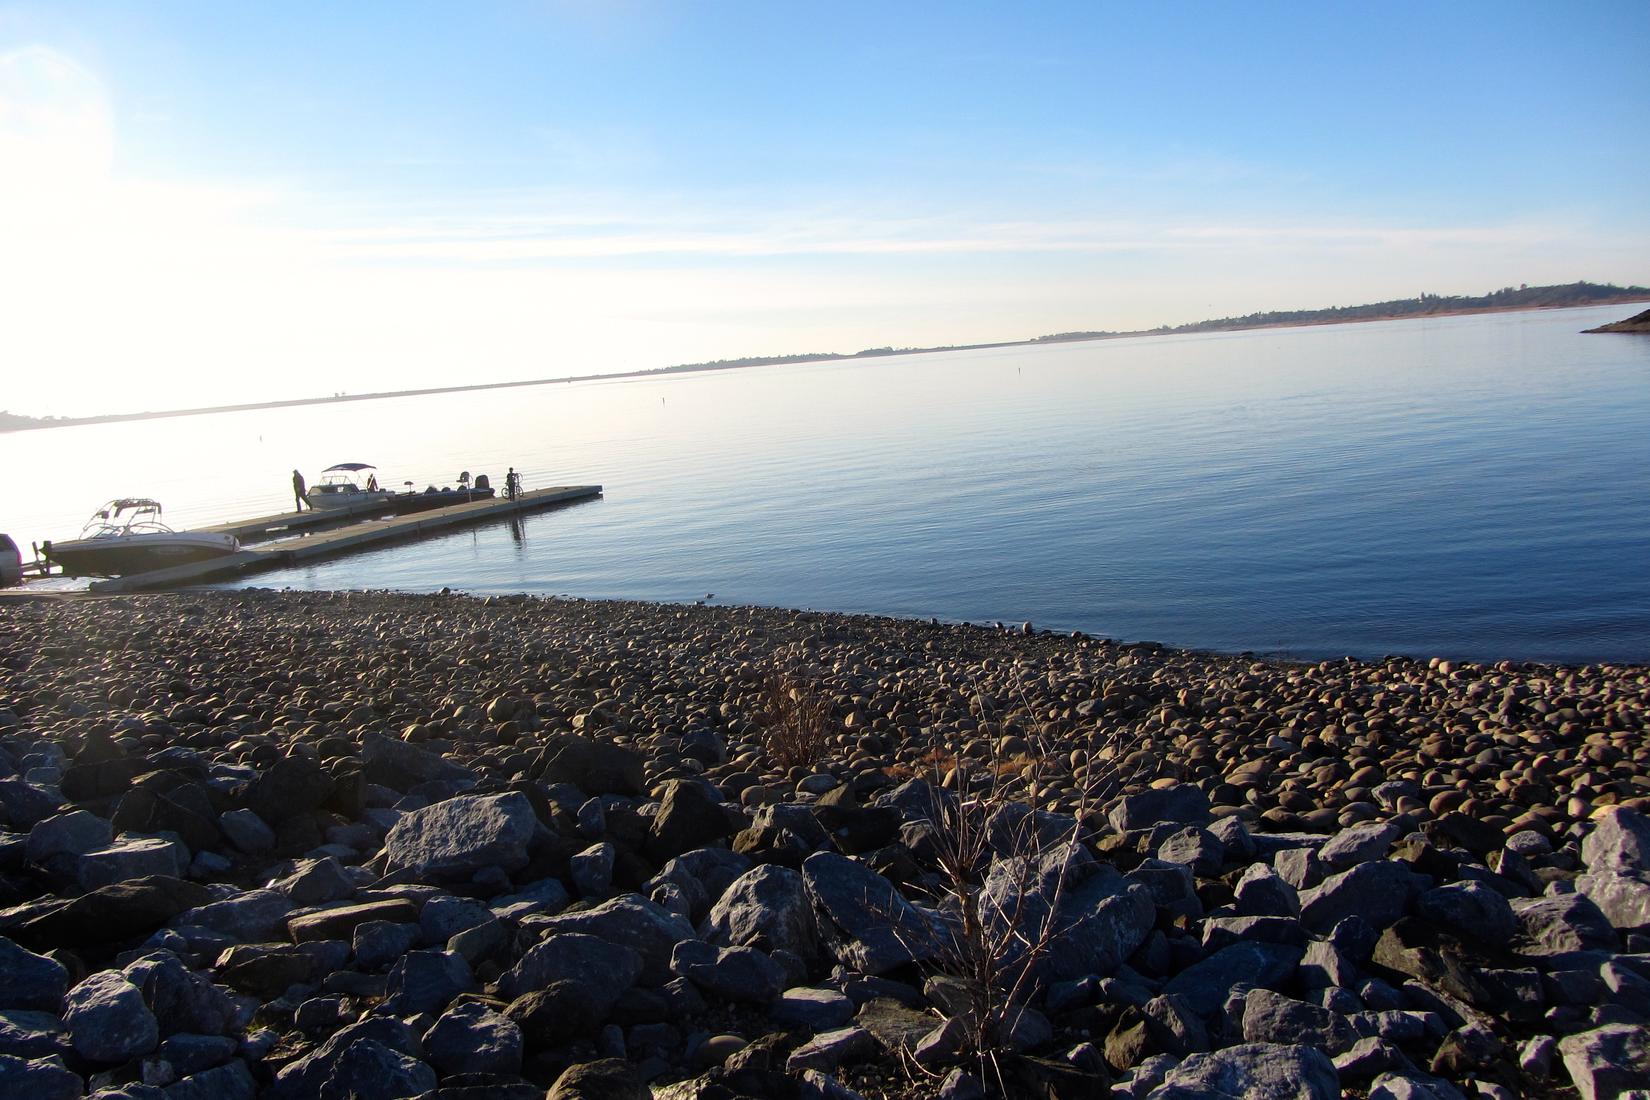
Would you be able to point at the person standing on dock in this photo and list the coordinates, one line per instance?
(512, 484)
(298, 490)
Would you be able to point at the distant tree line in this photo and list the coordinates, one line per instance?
(1423, 304)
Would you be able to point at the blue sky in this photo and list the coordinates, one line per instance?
(367, 195)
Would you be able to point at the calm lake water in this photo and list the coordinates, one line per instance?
(1473, 486)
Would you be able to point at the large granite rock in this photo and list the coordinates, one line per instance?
(1252, 1071)
(767, 907)
(455, 838)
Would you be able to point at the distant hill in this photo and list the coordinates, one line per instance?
(1426, 305)
(1639, 322)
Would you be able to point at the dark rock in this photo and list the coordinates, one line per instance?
(472, 1038)
(689, 817)
(741, 974)
(25, 1033)
(594, 767)
(877, 928)
(573, 956)
(1182, 803)
(292, 785)
(1273, 1018)
(1560, 923)
(1379, 892)
(1359, 844)
(561, 1011)
(1195, 848)
(248, 917)
(426, 981)
(812, 1009)
(369, 1070)
(629, 920)
(266, 970)
(401, 767)
(1470, 909)
(303, 1078)
(315, 882)
(28, 980)
(1262, 892)
(107, 1019)
(107, 915)
(608, 1079)
(181, 1000)
(895, 1026)
(1206, 984)
(230, 1081)
(38, 1080)
(855, 829)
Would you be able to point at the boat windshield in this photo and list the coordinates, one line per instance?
(125, 516)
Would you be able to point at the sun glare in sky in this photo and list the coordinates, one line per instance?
(203, 205)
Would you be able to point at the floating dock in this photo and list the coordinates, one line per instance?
(308, 536)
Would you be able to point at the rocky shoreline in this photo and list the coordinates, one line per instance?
(380, 846)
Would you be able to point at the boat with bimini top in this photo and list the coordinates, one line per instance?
(127, 536)
(341, 486)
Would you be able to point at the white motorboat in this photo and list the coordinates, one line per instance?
(341, 487)
(127, 536)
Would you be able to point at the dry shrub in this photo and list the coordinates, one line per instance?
(798, 733)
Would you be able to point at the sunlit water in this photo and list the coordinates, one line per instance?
(1473, 486)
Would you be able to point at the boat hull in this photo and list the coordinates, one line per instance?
(128, 554)
(347, 501)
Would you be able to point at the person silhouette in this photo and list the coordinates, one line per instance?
(298, 490)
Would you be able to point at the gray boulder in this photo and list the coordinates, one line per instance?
(629, 920)
(182, 1000)
(129, 859)
(1273, 1018)
(1359, 844)
(573, 956)
(230, 1081)
(1206, 984)
(766, 907)
(741, 974)
(1379, 892)
(1562, 923)
(1470, 909)
(425, 981)
(1619, 842)
(1623, 899)
(1252, 1071)
(369, 1070)
(457, 837)
(248, 917)
(472, 1038)
(1089, 917)
(400, 766)
(71, 834)
(878, 929)
(107, 1019)
(1606, 1062)
(26, 1033)
(1181, 803)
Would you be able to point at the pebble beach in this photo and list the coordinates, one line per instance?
(377, 846)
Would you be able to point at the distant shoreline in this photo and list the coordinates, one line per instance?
(22, 423)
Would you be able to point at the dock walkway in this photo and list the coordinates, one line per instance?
(330, 541)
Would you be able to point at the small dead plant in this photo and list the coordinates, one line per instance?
(799, 728)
